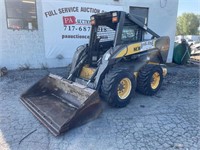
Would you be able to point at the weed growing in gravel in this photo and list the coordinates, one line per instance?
(26, 66)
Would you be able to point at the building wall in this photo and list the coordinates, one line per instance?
(23, 47)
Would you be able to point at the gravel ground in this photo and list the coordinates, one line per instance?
(168, 120)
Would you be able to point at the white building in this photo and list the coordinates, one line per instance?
(31, 30)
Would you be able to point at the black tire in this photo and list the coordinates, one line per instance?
(110, 87)
(145, 79)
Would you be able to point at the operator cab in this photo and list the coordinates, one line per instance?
(109, 30)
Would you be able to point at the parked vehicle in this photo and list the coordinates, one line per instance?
(116, 61)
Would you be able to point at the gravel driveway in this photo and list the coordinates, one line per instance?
(168, 120)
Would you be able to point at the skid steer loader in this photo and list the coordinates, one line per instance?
(117, 61)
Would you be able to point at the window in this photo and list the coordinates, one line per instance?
(21, 14)
(130, 33)
(141, 13)
(105, 33)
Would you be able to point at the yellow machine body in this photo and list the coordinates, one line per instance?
(87, 72)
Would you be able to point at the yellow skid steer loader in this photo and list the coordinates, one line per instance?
(117, 61)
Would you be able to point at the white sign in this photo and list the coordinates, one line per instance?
(67, 25)
(148, 45)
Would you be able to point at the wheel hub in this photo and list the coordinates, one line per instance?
(124, 88)
(155, 81)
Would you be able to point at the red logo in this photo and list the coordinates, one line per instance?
(69, 20)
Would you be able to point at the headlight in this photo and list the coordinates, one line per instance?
(114, 17)
(92, 20)
(114, 14)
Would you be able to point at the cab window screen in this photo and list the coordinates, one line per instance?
(130, 33)
(105, 33)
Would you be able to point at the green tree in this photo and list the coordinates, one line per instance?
(187, 24)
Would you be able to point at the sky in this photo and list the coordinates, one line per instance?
(188, 6)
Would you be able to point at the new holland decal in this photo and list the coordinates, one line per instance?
(136, 48)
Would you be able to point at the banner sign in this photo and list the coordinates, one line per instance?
(67, 25)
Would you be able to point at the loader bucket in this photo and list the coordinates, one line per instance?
(61, 105)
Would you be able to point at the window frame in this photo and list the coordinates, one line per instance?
(23, 19)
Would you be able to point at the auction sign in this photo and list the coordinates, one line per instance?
(67, 25)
